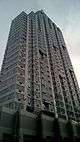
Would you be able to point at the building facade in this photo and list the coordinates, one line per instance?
(37, 72)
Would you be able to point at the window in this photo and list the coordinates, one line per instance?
(39, 23)
(63, 47)
(20, 88)
(46, 105)
(62, 85)
(49, 21)
(41, 54)
(73, 80)
(55, 48)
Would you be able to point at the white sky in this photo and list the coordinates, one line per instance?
(65, 13)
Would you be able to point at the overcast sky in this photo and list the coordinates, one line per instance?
(65, 13)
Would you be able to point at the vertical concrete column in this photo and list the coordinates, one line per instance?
(20, 136)
(1, 136)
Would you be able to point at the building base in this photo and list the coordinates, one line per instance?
(23, 126)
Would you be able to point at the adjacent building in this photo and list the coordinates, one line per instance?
(37, 73)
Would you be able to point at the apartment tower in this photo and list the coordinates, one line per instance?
(37, 73)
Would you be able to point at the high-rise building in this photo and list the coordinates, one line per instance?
(36, 70)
